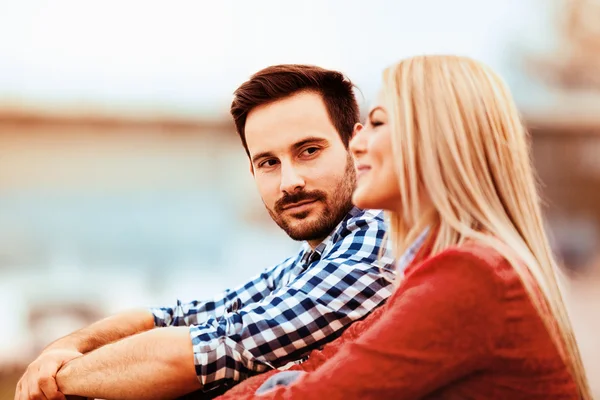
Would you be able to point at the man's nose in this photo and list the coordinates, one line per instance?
(291, 180)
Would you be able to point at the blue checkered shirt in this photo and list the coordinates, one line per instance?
(292, 308)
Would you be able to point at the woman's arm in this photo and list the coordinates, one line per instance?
(315, 359)
(442, 325)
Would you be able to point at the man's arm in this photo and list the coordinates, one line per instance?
(155, 364)
(308, 312)
(39, 378)
(41, 372)
(105, 331)
(343, 286)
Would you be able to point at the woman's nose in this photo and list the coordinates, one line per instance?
(357, 144)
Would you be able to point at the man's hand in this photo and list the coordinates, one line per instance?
(39, 380)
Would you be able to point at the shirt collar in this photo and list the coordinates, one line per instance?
(310, 254)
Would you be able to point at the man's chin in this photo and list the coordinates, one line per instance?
(303, 235)
(301, 230)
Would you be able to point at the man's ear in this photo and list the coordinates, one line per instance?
(251, 167)
(357, 128)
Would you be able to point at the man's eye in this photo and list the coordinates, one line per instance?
(267, 163)
(376, 123)
(311, 151)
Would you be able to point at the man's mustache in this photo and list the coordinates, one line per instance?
(297, 197)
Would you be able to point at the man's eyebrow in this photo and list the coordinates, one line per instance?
(309, 140)
(258, 156)
(295, 146)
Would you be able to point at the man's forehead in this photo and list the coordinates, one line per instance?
(305, 109)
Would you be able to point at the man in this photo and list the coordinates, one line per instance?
(295, 123)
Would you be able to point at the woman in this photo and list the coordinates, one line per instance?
(479, 313)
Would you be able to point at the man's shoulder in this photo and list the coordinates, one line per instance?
(360, 220)
(361, 229)
(367, 214)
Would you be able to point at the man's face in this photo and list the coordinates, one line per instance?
(304, 173)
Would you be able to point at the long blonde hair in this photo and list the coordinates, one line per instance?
(458, 138)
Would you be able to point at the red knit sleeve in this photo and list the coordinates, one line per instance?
(442, 324)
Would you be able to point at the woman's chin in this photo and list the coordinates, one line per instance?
(361, 199)
(369, 198)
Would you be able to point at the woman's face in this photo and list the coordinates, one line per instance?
(377, 182)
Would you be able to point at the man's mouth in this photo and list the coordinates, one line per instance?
(298, 206)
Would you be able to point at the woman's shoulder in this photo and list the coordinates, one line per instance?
(472, 255)
(465, 266)
(480, 253)
(459, 282)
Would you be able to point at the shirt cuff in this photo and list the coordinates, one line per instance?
(162, 317)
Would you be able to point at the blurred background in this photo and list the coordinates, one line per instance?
(123, 182)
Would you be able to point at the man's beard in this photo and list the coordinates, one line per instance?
(336, 208)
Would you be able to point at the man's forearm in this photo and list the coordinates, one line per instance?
(151, 365)
(106, 331)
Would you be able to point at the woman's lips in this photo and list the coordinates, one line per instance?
(361, 170)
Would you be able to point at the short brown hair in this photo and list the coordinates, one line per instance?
(281, 81)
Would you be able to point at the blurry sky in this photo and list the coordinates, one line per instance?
(185, 58)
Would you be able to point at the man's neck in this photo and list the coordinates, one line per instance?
(314, 243)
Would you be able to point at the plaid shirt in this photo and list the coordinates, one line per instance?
(292, 308)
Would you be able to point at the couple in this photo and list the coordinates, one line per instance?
(475, 312)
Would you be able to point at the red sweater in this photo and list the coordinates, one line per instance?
(460, 326)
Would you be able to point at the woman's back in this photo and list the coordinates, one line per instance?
(518, 358)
